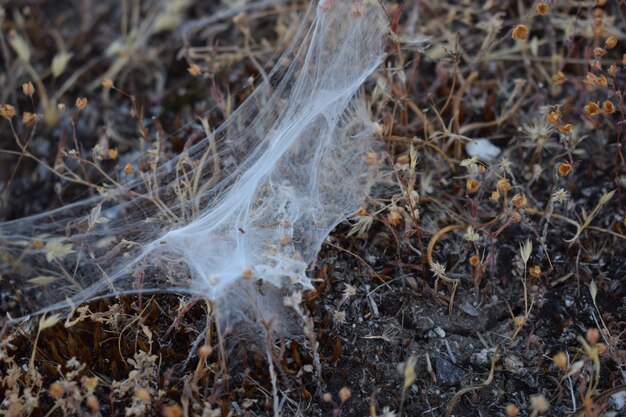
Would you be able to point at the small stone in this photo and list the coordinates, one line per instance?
(447, 373)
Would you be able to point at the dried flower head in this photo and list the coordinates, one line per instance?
(395, 216)
(592, 336)
(28, 89)
(474, 260)
(128, 169)
(559, 195)
(564, 169)
(558, 78)
(610, 42)
(7, 111)
(543, 8)
(535, 271)
(520, 32)
(519, 201)
(438, 269)
(471, 235)
(538, 132)
(29, 118)
(503, 184)
(539, 404)
(107, 83)
(511, 410)
(554, 116)
(81, 103)
(599, 52)
(608, 107)
(592, 109)
(560, 360)
(194, 70)
(472, 185)
(591, 79)
(566, 128)
(344, 394)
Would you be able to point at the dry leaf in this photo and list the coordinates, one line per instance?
(47, 322)
(59, 63)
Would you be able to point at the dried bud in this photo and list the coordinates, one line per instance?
(474, 260)
(29, 118)
(7, 111)
(128, 169)
(394, 217)
(592, 109)
(539, 404)
(592, 336)
(566, 128)
(535, 271)
(543, 8)
(591, 80)
(520, 32)
(558, 78)
(28, 89)
(81, 103)
(142, 395)
(560, 360)
(610, 42)
(344, 394)
(56, 390)
(519, 201)
(511, 410)
(92, 403)
(112, 153)
(194, 70)
(173, 411)
(608, 107)
(564, 169)
(554, 116)
(247, 274)
(472, 185)
(495, 196)
(204, 351)
(503, 184)
(107, 83)
(599, 52)
(602, 81)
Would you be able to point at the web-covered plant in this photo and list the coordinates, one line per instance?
(252, 201)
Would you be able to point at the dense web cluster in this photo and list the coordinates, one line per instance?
(252, 201)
